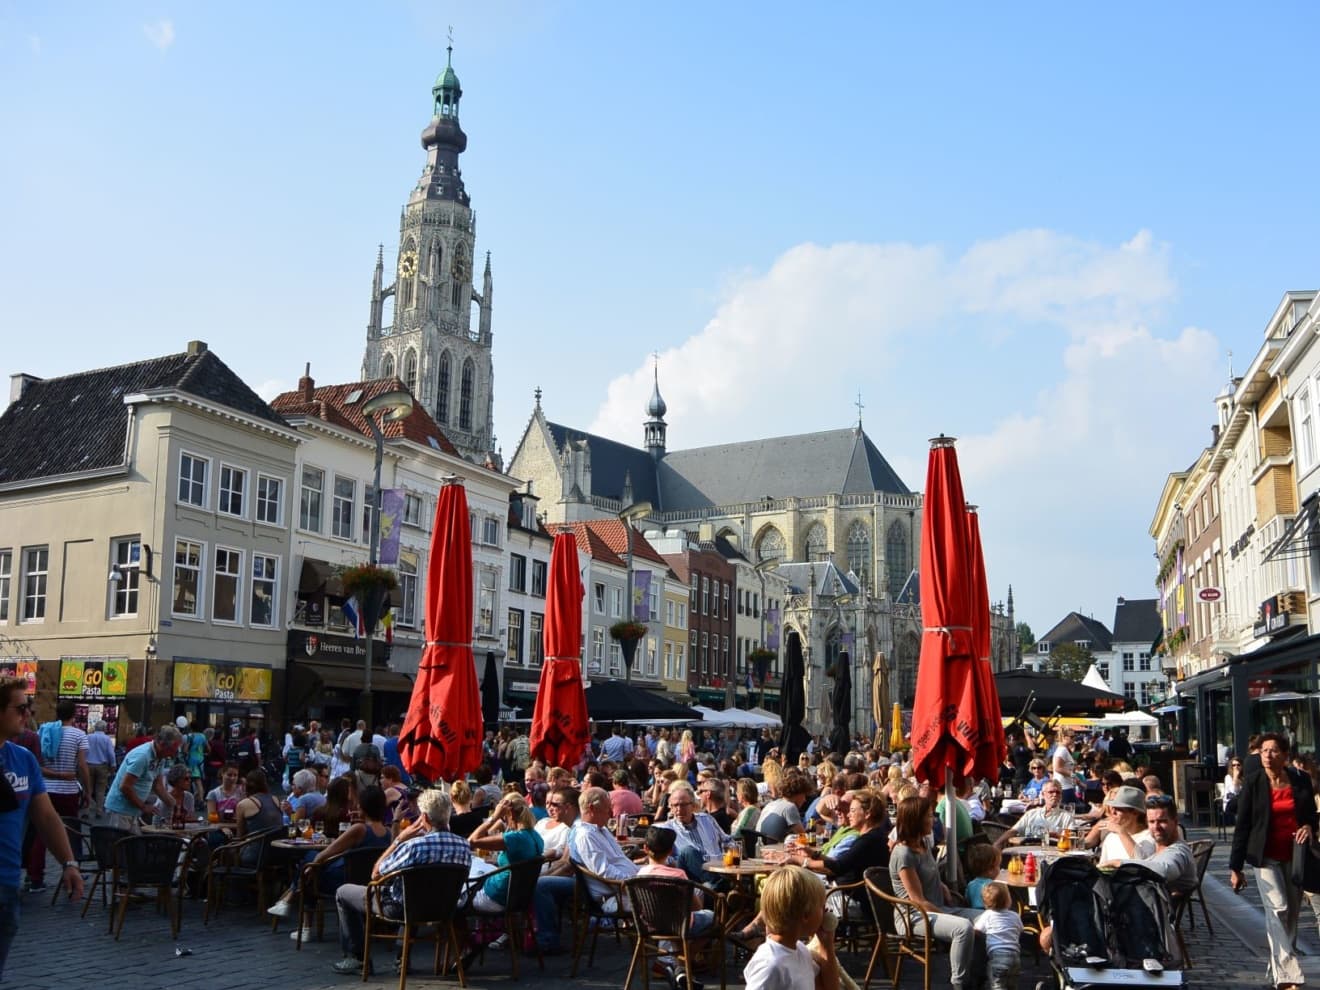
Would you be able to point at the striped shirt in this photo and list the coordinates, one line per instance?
(72, 741)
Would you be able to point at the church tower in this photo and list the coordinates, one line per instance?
(431, 344)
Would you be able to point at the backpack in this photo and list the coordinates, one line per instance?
(51, 735)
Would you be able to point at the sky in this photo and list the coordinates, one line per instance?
(1043, 231)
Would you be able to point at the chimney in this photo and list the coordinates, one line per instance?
(305, 384)
(18, 384)
(196, 348)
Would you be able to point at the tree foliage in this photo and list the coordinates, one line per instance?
(1026, 640)
(1070, 660)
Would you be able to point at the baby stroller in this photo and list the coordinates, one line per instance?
(1109, 928)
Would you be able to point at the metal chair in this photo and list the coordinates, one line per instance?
(80, 841)
(358, 864)
(148, 861)
(662, 912)
(517, 908)
(430, 897)
(891, 944)
(1202, 850)
(243, 860)
(591, 914)
(103, 839)
(993, 830)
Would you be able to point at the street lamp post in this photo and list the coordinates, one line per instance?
(638, 510)
(395, 404)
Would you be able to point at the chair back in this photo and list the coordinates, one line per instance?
(1202, 849)
(103, 839)
(148, 860)
(430, 893)
(358, 864)
(880, 892)
(522, 885)
(79, 838)
(661, 906)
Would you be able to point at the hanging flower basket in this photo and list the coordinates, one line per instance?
(625, 630)
(362, 581)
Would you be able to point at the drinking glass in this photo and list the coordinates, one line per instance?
(293, 831)
(320, 831)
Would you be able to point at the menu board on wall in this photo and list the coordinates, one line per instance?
(221, 682)
(26, 669)
(93, 678)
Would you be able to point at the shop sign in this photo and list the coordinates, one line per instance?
(1270, 617)
(93, 678)
(323, 646)
(1210, 594)
(26, 669)
(220, 682)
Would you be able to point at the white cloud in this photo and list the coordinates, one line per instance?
(272, 387)
(160, 34)
(1040, 350)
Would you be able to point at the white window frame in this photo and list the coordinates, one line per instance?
(1306, 449)
(680, 662)
(368, 510)
(241, 492)
(237, 575)
(407, 616)
(536, 639)
(263, 499)
(192, 480)
(40, 591)
(338, 514)
(490, 531)
(597, 650)
(200, 569)
(304, 490)
(598, 596)
(488, 601)
(542, 568)
(517, 573)
(616, 602)
(6, 582)
(274, 581)
(414, 507)
(128, 587)
(513, 639)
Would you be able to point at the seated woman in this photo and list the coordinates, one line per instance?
(1124, 828)
(465, 818)
(397, 803)
(916, 878)
(371, 833)
(257, 811)
(511, 829)
(335, 813)
(184, 808)
(749, 801)
(222, 800)
(868, 817)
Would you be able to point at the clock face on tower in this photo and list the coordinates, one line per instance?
(462, 271)
(408, 264)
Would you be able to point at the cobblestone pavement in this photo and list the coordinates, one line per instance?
(58, 949)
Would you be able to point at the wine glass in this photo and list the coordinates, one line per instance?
(320, 831)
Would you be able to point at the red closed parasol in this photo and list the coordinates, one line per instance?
(990, 753)
(441, 736)
(559, 721)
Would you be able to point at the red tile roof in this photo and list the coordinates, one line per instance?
(331, 403)
(615, 535)
(589, 542)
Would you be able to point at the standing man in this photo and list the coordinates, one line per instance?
(67, 783)
(23, 798)
(616, 747)
(143, 771)
(100, 764)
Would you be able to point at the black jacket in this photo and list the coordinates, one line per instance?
(1253, 815)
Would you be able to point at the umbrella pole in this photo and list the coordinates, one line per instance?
(950, 830)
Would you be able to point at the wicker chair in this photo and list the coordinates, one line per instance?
(1202, 849)
(518, 907)
(358, 864)
(891, 944)
(993, 830)
(103, 839)
(148, 861)
(662, 911)
(430, 897)
(80, 841)
(244, 861)
(589, 913)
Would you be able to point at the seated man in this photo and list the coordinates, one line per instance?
(554, 889)
(593, 845)
(697, 837)
(305, 798)
(1051, 815)
(1173, 858)
(425, 842)
(783, 815)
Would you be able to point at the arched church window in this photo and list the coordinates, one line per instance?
(437, 255)
(818, 546)
(770, 545)
(460, 275)
(465, 397)
(442, 393)
(859, 552)
(410, 370)
(897, 558)
(387, 366)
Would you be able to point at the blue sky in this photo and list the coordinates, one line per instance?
(1039, 230)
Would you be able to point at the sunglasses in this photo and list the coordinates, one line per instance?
(1159, 801)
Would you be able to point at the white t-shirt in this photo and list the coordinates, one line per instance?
(1061, 752)
(1112, 851)
(777, 967)
(1002, 929)
(554, 836)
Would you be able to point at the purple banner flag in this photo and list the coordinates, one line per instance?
(391, 514)
(772, 630)
(641, 610)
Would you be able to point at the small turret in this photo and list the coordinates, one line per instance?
(656, 428)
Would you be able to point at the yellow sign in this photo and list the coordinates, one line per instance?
(214, 682)
(93, 678)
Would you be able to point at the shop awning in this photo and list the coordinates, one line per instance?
(319, 577)
(1300, 536)
(338, 675)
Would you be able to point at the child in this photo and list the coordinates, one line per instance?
(1002, 928)
(983, 864)
(659, 844)
(793, 906)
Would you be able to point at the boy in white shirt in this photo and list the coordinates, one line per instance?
(793, 906)
(1002, 928)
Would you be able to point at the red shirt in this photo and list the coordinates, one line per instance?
(1283, 824)
(625, 802)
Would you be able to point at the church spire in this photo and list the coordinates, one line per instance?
(444, 140)
(655, 425)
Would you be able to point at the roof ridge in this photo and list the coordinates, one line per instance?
(54, 379)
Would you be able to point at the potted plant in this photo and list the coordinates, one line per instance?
(370, 584)
(627, 633)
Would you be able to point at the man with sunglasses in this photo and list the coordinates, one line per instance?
(1173, 857)
(23, 798)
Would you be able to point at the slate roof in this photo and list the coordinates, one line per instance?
(833, 461)
(910, 593)
(1075, 626)
(1137, 620)
(331, 404)
(82, 422)
(822, 575)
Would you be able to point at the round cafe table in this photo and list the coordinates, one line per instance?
(188, 831)
(288, 845)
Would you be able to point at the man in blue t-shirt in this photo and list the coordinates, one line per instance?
(23, 797)
(142, 772)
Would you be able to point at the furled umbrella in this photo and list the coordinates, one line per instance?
(947, 730)
(441, 736)
(841, 705)
(879, 694)
(490, 692)
(793, 703)
(990, 755)
(896, 740)
(559, 720)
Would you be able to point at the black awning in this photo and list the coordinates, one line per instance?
(319, 577)
(338, 675)
(1300, 536)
